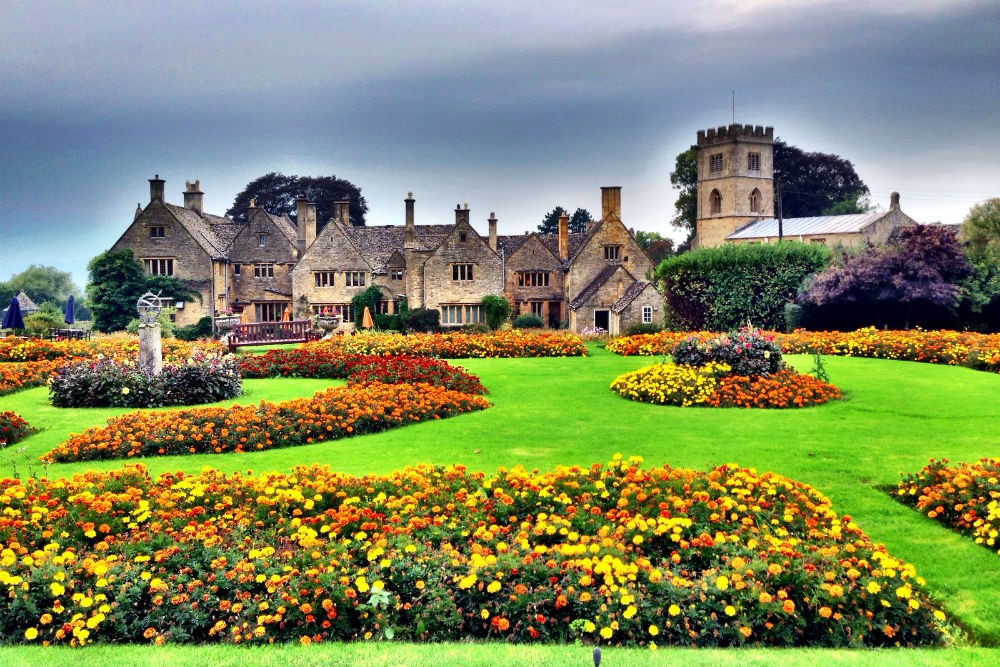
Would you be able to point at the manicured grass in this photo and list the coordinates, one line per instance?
(549, 412)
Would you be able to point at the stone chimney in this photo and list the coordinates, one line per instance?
(611, 202)
(410, 235)
(156, 189)
(251, 208)
(138, 211)
(492, 220)
(461, 214)
(305, 223)
(193, 197)
(564, 237)
(894, 201)
(342, 212)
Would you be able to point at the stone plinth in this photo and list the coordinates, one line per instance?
(150, 349)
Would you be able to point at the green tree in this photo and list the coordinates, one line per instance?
(116, 281)
(981, 228)
(497, 310)
(44, 284)
(370, 298)
(577, 222)
(850, 205)
(684, 177)
(6, 292)
(276, 194)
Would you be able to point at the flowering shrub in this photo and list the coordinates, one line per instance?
(955, 348)
(458, 345)
(965, 497)
(328, 415)
(13, 428)
(325, 362)
(714, 385)
(617, 554)
(746, 352)
(106, 382)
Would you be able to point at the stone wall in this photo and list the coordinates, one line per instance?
(439, 287)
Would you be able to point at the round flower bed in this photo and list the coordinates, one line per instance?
(742, 369)
(614, 554)
(110, 383)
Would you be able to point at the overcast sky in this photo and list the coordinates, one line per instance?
(512, 107)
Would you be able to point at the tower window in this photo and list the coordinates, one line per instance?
(755, 201)
(716, 202)
(753, 161)
(715, 163)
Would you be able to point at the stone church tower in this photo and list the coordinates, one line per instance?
(735, 180)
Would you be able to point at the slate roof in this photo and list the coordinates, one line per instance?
(588, 292)
(202, 229)
(825, 224)
(27, 305)
(377, 244)
(286, 227)
(513, 243)
(634, 290)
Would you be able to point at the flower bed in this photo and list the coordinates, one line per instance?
(975, 350)
(328, 415)
(315, 361)
(615, 554)
(714, 386)
(110, 383)
(13, 428)
(514, 343)
(25, 375)
(964, 497)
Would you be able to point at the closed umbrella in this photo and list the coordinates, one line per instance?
(12, 319)
(246, 317)
(286, 316)
(366, 319)
(70, 315)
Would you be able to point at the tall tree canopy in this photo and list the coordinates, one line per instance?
(981, 228)
(814, 183)
(276, 194)
(577, 222)
(116, 283)
(43, 284)
(811, 184)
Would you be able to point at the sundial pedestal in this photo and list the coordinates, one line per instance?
(150, 349)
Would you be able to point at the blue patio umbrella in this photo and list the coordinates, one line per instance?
(12, 319)
(69, 316)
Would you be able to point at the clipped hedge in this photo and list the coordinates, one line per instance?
(723, 288)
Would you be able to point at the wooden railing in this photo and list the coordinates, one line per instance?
(270, 333)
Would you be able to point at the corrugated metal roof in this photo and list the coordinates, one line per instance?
(824, 224)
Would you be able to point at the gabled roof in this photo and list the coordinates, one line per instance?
(634, 290)
(604, 276)
(513, 243)
(27, 305)
(202, 228)
(286, 227)
(824, 224)
(377, 244)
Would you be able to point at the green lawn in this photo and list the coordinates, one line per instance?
(548, 412)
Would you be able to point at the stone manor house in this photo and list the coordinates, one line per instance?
(268, 264)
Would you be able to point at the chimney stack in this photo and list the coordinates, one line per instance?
(410, 235)
(611, 202)
(342, 212)
(193, 197)
(564, 237)
(493, 231)
(461, 214)
(156, 189)
(305, 223)
(894, 201)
